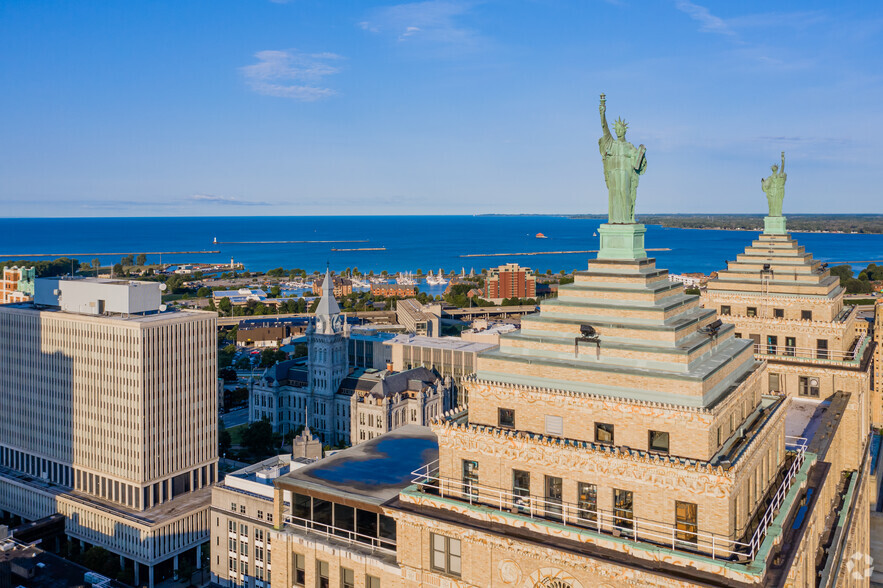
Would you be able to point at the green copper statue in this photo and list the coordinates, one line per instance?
(774, 187)
(622, 166)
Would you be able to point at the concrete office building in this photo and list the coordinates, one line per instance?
(108, 415)
(418, 318)
(448, 356)
(242, 519)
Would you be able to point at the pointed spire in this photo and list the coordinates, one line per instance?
(327, 305)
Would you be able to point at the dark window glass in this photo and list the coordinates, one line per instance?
(658, 441)
(300, 570)
(725, 310)
(623, 509)
(300, 506)
(806, 315)
(790, 345)
(587, 502)
(808, 386)
(778, 313)
(470, 479)
(366, 524)
(822, 348)
(553, 497)
(506, 417)
(603, 433)
(772, 344)
(751, 311)
(344, 518)
(322, 511)
(521, 489)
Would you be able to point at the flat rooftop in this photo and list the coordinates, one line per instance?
(452, 343)
(374, 471)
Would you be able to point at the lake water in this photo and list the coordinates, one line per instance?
(410, 242)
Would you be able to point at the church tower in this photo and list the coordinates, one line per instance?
(327, 364)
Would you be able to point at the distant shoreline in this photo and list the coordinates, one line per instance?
(835, 224)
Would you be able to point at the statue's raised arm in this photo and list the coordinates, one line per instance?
(783, 163)
(603, 110)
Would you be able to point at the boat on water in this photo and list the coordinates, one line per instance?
(357, 283)
(541, 236)
(406, 279)
(594, 234)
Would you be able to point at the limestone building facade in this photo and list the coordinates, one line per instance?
(108, 415)
(415, 396)
(793, 310)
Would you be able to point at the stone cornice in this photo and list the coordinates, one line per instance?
(599, 397)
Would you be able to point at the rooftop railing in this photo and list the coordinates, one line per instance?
(812, 353)
(620, 523)
(345, 535)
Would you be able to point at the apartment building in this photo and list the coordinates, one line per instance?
(510, 281)
(420, 319)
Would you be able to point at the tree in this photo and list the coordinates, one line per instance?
(844, 272)
(854, 286)
(118, 269)
(96, 265)
(225, 306)
(203, 292)
(127, 260)
(225, 355)
(257, 438)
(224, 438)
(141, 259)
(270, 356)
(243, 363)
(275, 291)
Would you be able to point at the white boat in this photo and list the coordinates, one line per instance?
(405, 279)
(358, 283)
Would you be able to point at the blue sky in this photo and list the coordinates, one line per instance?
(255, 107)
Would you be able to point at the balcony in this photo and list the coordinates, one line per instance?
(621, 523)
(789, 353)
(347, 536)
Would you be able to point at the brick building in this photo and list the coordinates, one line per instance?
(393, 290)
(510, 281)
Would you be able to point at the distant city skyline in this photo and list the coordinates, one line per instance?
(437, 107)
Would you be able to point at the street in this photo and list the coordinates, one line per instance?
(235, 417)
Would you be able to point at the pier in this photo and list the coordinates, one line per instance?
(29, 255)
(546, 253)
(361, 249)
(216, 242)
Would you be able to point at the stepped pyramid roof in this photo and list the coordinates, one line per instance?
(776, 265)
(648, 341)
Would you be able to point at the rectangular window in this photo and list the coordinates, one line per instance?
(775, 382)
(521, 490)
(260, 514)
(686, 521)
(807, 386)
(725, 310)
(470, 479)
(756, 339)
(772, 344)
(806, 315)
(300, 570)
(778, 313)
(445, 556)
(790, 345)
(347, 578)
(658, 441)
(323, 579)
(822, 348)
(751, 311)
(506, 417)
(553, 497)
(604, 433)
(587, 502)
(372, 582)
(623, 510)
(738, 335)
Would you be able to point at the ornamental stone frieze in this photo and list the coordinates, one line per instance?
(660, 471)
